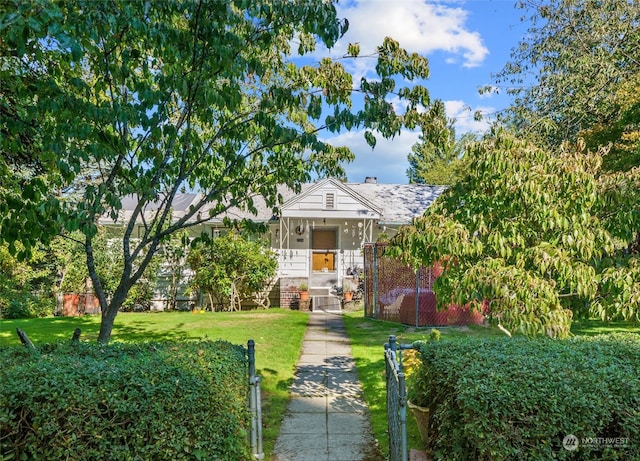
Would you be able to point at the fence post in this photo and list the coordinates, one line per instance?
(251, 354)
(403, 414)
(396, 400)
(255, 403)
(418, 296)
(375, 281)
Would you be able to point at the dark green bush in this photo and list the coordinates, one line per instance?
(498, 399)
(26, 285)
(26, 306)
(152, 401)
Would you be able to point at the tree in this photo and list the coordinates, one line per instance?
(70, 251)
(231, 269)
(575, 78)
(622, 132)
(437, 157)
(526, 229)
(576, 70)
(24, 186)
(205, 95)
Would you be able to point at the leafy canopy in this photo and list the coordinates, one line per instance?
(575, 73)
(142, 100)
(437, 157)
(526, 229)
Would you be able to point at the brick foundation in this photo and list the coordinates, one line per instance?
(289, 297)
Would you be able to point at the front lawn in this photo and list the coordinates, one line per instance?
(277, 333)
(368, 337)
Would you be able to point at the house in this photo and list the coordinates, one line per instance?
(320, 231)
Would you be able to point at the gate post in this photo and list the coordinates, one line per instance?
(255, 403)
(396, 400)
(418, 274)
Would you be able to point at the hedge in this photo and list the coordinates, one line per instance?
(515, 398)
(160, 401)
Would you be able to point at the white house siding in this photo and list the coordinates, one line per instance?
(293, 263)
(358, 212)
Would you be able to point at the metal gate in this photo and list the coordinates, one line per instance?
(396, 399)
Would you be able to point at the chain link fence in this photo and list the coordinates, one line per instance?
(396, 293)
(396, 399)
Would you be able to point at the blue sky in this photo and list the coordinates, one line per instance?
(465, 42)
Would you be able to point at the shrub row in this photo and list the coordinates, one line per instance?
(498, 399)
(161, 401)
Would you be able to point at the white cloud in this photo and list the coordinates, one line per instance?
(418, 26)
(464, 116)
(388, 161)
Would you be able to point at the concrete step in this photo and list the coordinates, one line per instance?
(326, 302)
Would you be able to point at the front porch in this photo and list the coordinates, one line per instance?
(319, 237)
(322, 271)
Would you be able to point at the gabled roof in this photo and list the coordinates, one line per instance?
(388, 203)
(179, 206)
(296, 204)
(400, 202)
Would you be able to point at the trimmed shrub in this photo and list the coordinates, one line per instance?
(501, 398)
(160, 401)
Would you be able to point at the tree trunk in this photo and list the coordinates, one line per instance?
(109, 314)
(106, 324)
(634, 247)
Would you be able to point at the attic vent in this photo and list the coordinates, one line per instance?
(330, 201)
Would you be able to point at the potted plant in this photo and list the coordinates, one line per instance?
(417, 393)
(416, 396)
(303, 291)
(348, 287)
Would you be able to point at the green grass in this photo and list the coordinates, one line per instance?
(368, 337)
(277, 333)
(592, 327)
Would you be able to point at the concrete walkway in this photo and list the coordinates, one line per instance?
(326, 419)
